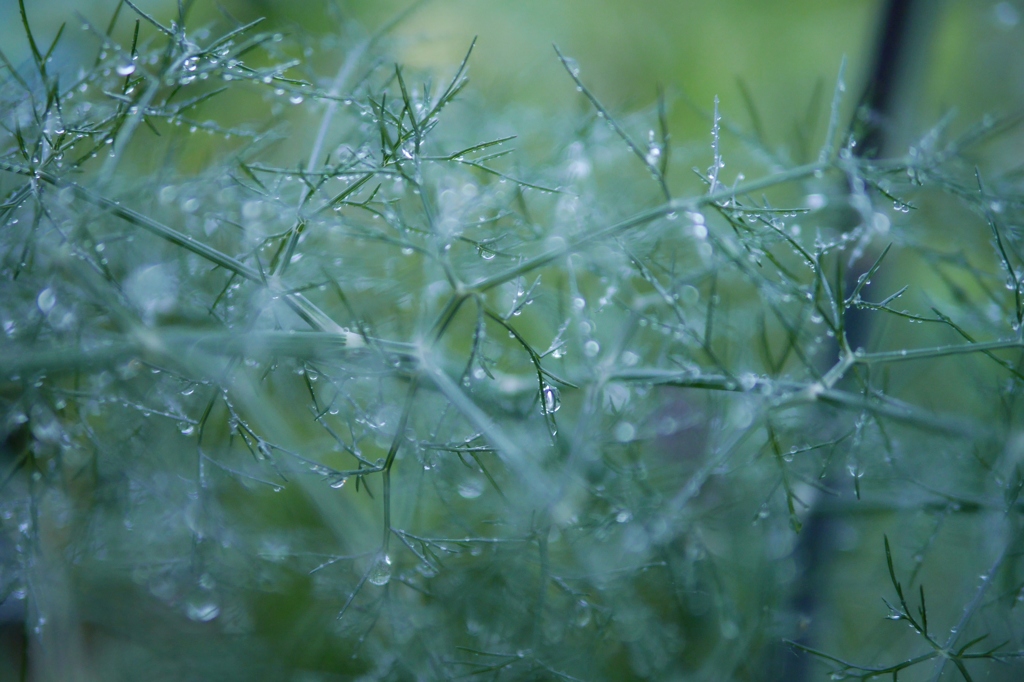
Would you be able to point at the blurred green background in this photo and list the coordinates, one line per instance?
(780, 49)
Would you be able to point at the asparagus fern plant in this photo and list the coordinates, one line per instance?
(316, 374)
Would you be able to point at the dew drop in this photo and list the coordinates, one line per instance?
(380, 572)
(202, 610)
(624, 432)
(581, 614)
(471, 489)
(552, 400)
(46, 300)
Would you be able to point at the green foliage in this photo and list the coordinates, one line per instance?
(316, 374)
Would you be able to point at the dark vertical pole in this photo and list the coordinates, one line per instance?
(897, 62)
(888, 101)
(893, 59)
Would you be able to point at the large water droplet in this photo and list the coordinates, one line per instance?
(624, 432)
(471, 488)
(582, 613)
(653, 155)
(552, 400)
(380, 572)
(46, 300)
(202, 610)
(153, 289)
